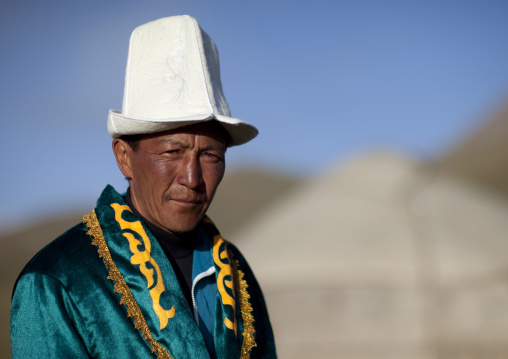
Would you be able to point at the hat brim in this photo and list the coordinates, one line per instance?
(239, 131)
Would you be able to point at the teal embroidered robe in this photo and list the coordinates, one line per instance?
(105, 289)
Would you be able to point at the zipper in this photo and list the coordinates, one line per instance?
(200, 276)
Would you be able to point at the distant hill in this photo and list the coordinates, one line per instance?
(481, 155)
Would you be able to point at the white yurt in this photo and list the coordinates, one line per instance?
(384, 258)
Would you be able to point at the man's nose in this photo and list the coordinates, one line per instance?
(190, 174)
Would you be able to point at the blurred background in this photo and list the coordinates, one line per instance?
(373, 204)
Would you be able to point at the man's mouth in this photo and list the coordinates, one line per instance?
(187, 201)
(186, 198)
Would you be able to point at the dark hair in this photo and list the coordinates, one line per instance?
(132, 140)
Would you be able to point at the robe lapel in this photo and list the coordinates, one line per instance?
(148, 275)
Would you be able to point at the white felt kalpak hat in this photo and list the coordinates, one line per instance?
(172, 80)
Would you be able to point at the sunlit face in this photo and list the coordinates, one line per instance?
(174, 174)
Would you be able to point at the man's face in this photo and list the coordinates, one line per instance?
(174, 174)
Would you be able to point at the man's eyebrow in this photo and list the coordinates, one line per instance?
(216, 147)
(183, 144)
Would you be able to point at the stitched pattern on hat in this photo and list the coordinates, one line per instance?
(179, 74)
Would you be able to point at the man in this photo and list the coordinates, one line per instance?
(147, 274)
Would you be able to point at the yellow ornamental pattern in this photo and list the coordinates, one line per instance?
(133, 310)
(141, 258)
(225, 279)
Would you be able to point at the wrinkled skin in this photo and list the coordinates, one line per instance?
(173, 175)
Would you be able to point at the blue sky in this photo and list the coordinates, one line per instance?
(322, 80)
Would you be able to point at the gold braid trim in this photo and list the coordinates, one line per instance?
(133, 310)
(246, 309)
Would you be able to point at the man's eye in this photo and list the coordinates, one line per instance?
(212, 157)
(172, 152)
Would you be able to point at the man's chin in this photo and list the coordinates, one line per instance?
(182, 218)
(181, 225)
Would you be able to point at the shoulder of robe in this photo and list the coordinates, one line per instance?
(69, 255)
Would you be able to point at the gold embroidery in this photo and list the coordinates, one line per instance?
(225, 270)
(246, 309)
(237, 275)
(133, 310)
(141, 259)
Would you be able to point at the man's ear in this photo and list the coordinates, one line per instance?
(123, 153)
